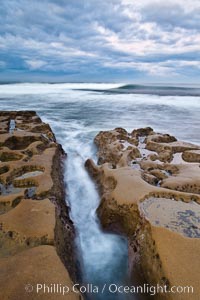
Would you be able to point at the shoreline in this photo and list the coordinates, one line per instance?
(140, 175)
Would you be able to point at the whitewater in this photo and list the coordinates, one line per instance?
(76, 113)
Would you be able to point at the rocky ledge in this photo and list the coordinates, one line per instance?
(36, 234)
(150, 192)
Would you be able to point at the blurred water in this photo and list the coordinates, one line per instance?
(76, 116)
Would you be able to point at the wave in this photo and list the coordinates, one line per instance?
(142, 87)
(156, 90)
(152, 90)
(106, 88)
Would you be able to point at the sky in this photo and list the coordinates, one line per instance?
(100, 40)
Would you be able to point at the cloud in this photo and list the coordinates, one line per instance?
(95, 38)
(160, 69)
(173, 14)
(35, 64)
(2, 64)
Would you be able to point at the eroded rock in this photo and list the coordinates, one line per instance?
(38, 265)
(164, 172)
(36, 233)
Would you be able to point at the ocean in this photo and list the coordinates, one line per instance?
(76, 113)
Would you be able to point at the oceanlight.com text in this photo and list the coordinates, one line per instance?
(56, 288)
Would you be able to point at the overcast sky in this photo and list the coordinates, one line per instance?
(100, 40)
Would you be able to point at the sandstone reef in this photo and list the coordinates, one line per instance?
(36, 233)
(150, 192)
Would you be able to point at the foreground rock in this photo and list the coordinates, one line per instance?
(31, 269)
(36, 234)
(150, 190)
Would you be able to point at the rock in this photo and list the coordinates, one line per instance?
(152, 169)
(142, 132)
(36, 233)
(191, 156)
(22, 272)
(170, 259)
(118, 145)
(30, 224)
